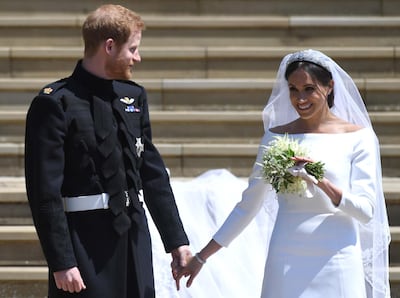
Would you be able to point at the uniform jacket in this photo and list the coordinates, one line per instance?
(86, 135)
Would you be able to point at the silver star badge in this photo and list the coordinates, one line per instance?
(139, 146)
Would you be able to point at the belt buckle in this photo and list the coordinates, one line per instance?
(127, 200)
(104, 200)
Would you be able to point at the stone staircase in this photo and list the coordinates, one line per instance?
(208, 67)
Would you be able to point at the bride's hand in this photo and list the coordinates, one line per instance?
(191, 269)
(299, 169)
(302, 159)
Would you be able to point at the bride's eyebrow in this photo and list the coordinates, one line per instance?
(304, 86)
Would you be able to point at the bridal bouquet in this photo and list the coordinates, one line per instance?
(279, 157)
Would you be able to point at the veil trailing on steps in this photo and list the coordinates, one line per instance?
(204, 203)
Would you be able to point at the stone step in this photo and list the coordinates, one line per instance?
(18, 277)
(201, 126)
(391, 186)
(191, 159)
(31, 281)
(12, 194)
(23, 268)
(210, 94)
(217, 30)
(199, 62)
(221, 7)
(20, 246)
(14, 209)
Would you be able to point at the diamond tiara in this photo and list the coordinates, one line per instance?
(312, 56)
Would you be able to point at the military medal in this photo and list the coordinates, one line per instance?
(139, 147)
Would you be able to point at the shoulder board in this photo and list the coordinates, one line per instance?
(53, 87)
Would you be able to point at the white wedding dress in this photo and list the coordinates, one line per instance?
(314, 249)
(315, 246)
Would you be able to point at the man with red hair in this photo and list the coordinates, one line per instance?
(90, 162)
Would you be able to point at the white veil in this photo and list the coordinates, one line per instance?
(348, 105)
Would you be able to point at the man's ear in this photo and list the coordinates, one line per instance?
(109, 44)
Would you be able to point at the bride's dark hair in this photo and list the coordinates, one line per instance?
(316, 71)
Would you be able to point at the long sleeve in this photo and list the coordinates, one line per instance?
(157, 190)
(44, 166)
(359, 200)
(253, 198)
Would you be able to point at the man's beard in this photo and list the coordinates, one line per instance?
(118, 70)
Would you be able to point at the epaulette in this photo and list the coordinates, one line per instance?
(53, 87)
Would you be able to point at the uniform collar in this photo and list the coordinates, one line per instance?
(100, 87)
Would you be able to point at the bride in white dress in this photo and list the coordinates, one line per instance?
(332, 242)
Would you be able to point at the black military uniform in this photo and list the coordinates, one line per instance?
(86, 136)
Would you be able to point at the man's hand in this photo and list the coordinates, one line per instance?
(69, 280)
(192, 269)
(180, 258)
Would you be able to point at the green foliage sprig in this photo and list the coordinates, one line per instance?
(278, 158)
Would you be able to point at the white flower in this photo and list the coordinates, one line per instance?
(278, 158)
